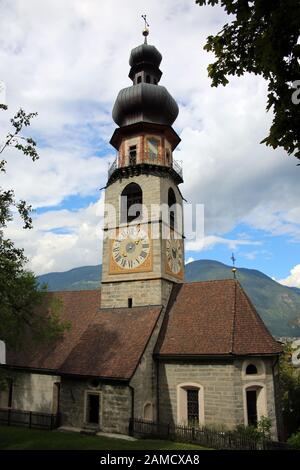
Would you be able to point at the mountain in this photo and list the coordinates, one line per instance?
(84, 278)
(278, 305)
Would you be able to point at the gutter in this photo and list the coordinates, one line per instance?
(63, 374)
(205, 357)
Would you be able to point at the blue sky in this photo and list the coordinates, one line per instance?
(273, 255)
(68, 60)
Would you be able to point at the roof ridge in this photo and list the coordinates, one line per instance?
(233, 318)
(148, 340)
(176, 288)
(257, 318)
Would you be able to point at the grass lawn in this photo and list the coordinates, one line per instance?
(12, 438)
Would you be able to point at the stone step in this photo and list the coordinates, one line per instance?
(90, 429)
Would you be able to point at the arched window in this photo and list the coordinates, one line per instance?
(251, 369)
(148, 411)
(131, 202)
(190, 404)
(139, 79)
(255, 405)
(172, 207)
(132, 155)
(148, 79)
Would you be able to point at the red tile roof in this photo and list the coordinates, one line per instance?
(208, 318)
(213, 318)
(104, 343)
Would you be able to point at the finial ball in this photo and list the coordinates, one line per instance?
(146, 32)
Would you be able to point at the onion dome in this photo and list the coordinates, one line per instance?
(145, 100)
(143, 57)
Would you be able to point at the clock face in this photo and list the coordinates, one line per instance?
(174, 253)
(131, 248)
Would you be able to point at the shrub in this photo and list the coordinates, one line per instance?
(294, 440)
(264, 427)
(249, 432)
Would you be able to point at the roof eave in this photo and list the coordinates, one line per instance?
(232, 356)
(59, 373)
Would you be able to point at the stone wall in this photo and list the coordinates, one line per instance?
(223, 391)
(150, 292)
(31, 392)
(144, 381)
(115, 405)
(155, 191)
(264, 378)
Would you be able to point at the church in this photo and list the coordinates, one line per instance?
(148, 345)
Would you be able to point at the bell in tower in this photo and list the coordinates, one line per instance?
(143, 253)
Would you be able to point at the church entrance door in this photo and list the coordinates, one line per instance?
(93, 408)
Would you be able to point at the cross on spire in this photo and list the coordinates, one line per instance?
(146, 28)
(233, 259)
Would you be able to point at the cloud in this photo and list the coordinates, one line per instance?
(293, 280)
(57, 175)
(62, 239)
(68, 60)
(189, 260)
(225, 168)
(209, 242)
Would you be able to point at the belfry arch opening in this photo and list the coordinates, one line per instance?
(172, 207)
(131, 202)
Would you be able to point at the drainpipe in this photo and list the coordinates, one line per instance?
(131, 428)
(157, 390)
(276, 392)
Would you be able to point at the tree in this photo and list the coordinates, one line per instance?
(290, 390)
(262, 38)
(20, 295)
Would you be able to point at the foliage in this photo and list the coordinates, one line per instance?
(294, 440)
(28, 147)
(262, 39)
(20, 297)
(19, 293)
(257, 433)
(290, 391)
(264, 427)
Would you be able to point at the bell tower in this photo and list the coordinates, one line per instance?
(143, 251)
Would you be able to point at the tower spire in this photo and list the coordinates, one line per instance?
(146, 28)
(233, 259)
